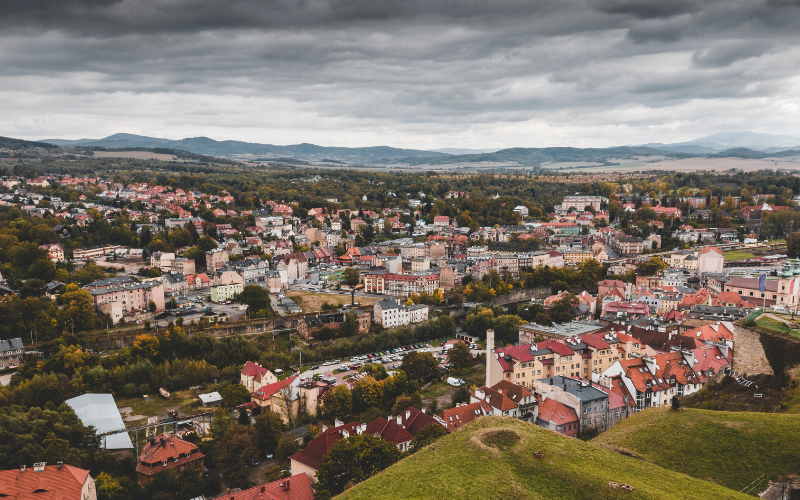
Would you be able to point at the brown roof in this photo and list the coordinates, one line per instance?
(413, 420)
(497, 399)
(513, 391)
(58, 483)
(388, 430)
(316, 450)
(457, 417)
(551, 410)
(297, 487)
(169, 450)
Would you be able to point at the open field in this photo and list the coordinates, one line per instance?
(312, 301)
(739, 255)
(493, 457)
(184, 401)
(728, 448)
(138, 155)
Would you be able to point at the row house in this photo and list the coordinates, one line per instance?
(400, 285)
(507, 399)
(626, 246)
(572, 357)
(594, 405)
(216, 259)
(253, 270)
(655, 380)
(295, 265)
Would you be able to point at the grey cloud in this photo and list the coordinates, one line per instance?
(413, 71)
(660, 30)
(725, 54)
(647, 9)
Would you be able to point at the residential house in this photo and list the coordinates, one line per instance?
(464, 413)
(12, 352)
(168, 453)
(309, 459)
(388, 313)
(59, 481)
(557, 417)
(226, 285)
(254, 376)
(288, 398)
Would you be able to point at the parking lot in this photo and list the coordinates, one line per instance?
(197, 309)
(392, 359)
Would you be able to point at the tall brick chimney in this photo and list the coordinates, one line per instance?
(489, 357)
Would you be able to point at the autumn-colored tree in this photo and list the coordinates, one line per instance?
(236, 451)
(459, 356)
(354, 459)
(146, 346)
(78, 308)
(337, 404)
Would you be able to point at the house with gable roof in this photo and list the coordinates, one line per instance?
(309, 459)
(168, 453)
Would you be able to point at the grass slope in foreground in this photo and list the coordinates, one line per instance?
(728, 448)
(493, 457)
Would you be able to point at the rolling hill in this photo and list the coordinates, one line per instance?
(729, 448)
(732, 140)
(538, 156)
(493, 457)
(206, 146)
(9, 143)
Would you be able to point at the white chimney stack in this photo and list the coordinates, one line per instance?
(489, 351)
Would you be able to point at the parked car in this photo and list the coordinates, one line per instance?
(315, 367)
(454, 381)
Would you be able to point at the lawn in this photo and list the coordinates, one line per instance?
(727, 448)
(777, 326)
(312, 301)
(739, 255)
(493, 457)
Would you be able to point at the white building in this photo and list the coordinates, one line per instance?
(389, 313)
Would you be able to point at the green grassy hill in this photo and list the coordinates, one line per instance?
(494, 458)
(728, 448)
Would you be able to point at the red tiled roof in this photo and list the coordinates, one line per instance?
(316, 450)
(65, 483)
(166, 449)
(388, 430)
(511, 390)
(414, 420)
(266, 392)
(297, 487)
(551, 410)
(458, 417)
(496, 399)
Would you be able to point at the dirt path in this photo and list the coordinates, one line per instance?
(442, 401)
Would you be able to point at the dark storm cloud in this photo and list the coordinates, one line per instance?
(406, 70)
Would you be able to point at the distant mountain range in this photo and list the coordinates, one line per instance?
(206, 146)
(729, 144)
(717, 143)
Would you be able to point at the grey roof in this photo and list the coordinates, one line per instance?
(581, 390)
(11, 344)
(100, 411)
(116, 281)
(129, 286)
(387, 304)
(175, 277)
(211, 397)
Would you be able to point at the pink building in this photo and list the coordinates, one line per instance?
(132, 296)
(710, 260)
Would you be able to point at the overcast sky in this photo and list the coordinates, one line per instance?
(408, 73)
